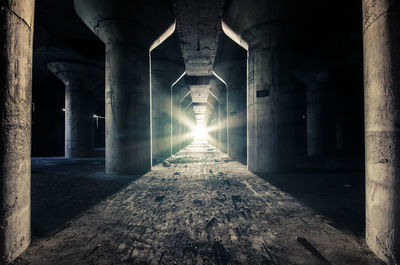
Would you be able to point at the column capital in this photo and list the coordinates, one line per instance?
(268, 35)
(86, 74)
(112, 21)
(242, 15)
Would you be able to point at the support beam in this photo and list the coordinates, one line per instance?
(16, 41)
(381, 36)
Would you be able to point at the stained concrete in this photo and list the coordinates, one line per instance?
(199, 208)
(382, 129)
(16, 47)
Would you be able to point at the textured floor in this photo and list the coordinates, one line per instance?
(198, 208)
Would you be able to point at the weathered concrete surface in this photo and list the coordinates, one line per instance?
(80, 79)
(16, 41)
(127, 109)
(270, 103)
(127, 75)
(267, 29)
(381, 33)
(200, 208)
(199, 26)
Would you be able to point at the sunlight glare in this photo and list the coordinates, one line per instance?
(200, 133)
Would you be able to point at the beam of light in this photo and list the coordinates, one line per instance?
(200, 132)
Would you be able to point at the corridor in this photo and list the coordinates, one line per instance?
(197, 207)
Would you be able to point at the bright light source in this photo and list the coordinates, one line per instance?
(200, 132)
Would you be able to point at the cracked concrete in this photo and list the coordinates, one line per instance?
(204, 208)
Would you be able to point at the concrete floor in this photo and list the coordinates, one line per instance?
(199, 208)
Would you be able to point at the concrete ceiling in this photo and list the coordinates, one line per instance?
(195, 42)
(199, 42)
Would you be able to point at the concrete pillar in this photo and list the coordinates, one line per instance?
(321, 120)
(127, 75)
(163, 74)
(127, 109)
(382, 127)
(270, 103)
(16, 37)
(267, 29)
(80, 80)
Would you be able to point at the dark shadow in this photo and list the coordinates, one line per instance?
(62, 189)
(307, 245)
(337, 196)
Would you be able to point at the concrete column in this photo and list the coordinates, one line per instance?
(163, 74)
(270, 103)
(80, 80)
(127, 75)
(321, 131)
(127, 109)
(16, 37)
(267, 29)
(382, 126)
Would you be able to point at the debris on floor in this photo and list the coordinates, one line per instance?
(202, 212)
(166, 164)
